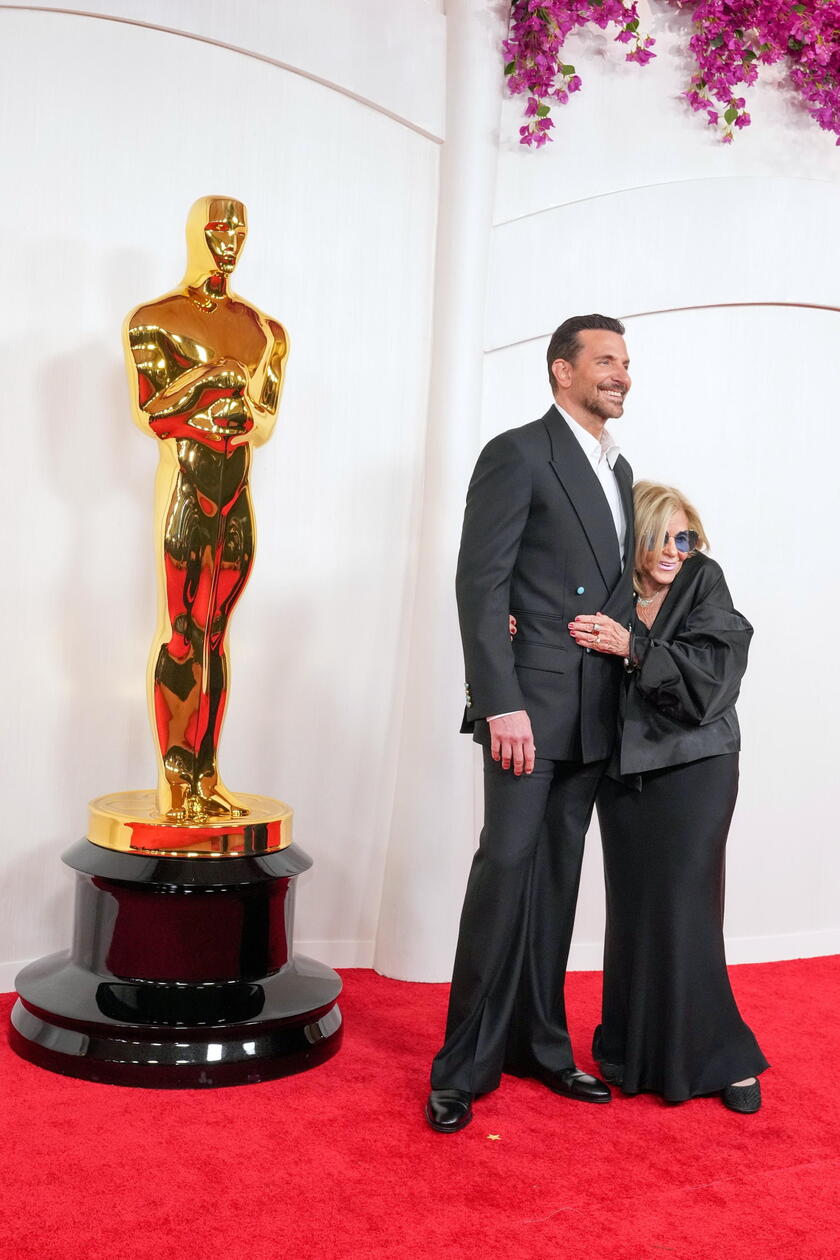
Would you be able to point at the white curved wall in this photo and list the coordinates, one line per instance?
(330, 135)
(387, 54)
(635, 209)
(111, 132)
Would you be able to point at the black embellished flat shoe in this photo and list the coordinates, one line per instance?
(743, 1098)
(613, 1073)
(448, 1110)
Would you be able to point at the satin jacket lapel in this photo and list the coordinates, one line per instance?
(679, 602)
(575, 474)
(624, 477)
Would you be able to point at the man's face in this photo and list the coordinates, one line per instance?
(597, 382)
(225, 233)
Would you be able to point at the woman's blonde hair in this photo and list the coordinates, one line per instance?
(653, 507)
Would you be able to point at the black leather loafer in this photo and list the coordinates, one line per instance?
(743, 1098)
(449, 1110)
(574, 1084)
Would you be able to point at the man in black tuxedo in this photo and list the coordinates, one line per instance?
(548, 533)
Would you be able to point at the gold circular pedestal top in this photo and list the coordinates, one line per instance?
(131, 823)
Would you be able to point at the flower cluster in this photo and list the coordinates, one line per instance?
(731, 40)
(538, 31)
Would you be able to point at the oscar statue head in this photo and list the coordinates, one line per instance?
(216, 231)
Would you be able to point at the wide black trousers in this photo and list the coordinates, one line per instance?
(506, 1008)
(669, 1017)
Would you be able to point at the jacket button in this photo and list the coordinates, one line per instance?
(581, 590)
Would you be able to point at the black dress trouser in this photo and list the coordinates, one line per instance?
(506, 1007)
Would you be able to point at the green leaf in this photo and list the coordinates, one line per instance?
(717, 41)
(632, 26)
(799, 8)
(542, 111)
(730, 115)
(795, 45)
(739, 34)
(510, 67)
(749, 55)
(567, 70)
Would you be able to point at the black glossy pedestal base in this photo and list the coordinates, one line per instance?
(181, 975)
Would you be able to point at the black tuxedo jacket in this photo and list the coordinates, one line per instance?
(539, 541)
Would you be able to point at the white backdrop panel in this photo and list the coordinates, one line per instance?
(112, 132)
(649, 249)
(730, 405)
(638, 208)
(388, 52)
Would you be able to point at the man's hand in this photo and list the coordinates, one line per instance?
(511, 741)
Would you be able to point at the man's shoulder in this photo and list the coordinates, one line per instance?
(524, 439)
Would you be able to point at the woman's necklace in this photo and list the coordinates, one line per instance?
(645, 603)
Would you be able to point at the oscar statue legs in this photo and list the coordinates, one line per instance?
(208, 551)
(506, 1009)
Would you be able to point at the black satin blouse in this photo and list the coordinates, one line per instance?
(679, 701)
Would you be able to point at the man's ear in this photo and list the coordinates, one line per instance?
(561, 370)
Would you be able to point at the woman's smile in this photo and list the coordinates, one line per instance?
(660, 567)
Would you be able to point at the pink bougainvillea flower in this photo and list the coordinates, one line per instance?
(731, 40)
(537, 34)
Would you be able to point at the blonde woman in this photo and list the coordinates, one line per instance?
(670, 1023)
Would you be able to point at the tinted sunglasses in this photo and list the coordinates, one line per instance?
(684, 541)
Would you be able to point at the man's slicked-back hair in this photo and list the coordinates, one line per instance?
(565, 343)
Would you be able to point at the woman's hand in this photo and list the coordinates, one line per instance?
(511, 624)
(601, 634)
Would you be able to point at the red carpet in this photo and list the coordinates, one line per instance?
(339, 1162)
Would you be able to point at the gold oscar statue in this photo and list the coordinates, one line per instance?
(206, 373)
(181, 972)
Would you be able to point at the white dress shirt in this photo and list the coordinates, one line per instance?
(602, 453)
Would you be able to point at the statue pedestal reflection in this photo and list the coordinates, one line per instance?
(181, 974)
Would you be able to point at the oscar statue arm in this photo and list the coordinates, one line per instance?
(171, 376)
(269, 381)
